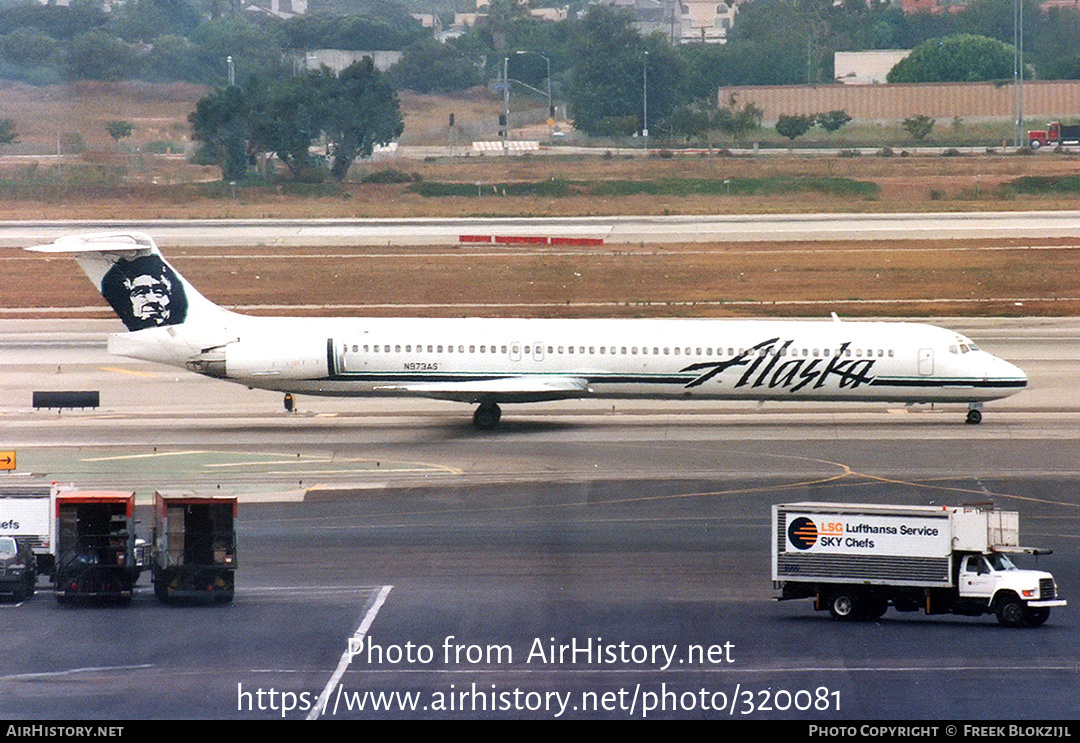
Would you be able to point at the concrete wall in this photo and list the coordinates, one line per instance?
(894, 102)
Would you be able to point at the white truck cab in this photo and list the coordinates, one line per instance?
(1018, 597)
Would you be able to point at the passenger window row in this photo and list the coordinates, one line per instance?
(623, 350)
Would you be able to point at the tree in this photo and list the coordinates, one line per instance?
(611, 69)
(256, 49)
(145, 20)
(8, 133)
(98, 55)
(833, 121)
(287, 115)
(356, 110)
(362, 111)
(738, 121)
(605, 83)
(119, 129)
(430, 67)
(919, 127)
(29, 55)
(221, 122)
(795, 126)
(693, 120)
(176, 58)
(958, 58)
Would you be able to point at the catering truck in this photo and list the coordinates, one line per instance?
(194, 550)
(95, 545)
(26, 514)
(856, 560)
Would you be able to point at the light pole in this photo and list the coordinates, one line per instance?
(1020, 65)
(506, 105)
(232, 71)
(645, 101)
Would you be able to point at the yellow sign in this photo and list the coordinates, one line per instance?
(7, 460)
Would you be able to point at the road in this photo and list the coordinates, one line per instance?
(616, 230)
(482, 569)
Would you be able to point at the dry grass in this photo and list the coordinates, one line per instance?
(854, 279)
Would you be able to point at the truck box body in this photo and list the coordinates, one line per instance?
(26, 513)
(194, 546)
(909, 545)
(95, 544)
(858, 559)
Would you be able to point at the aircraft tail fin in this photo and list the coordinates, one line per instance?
(134, 278)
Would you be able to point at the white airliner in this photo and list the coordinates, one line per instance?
(489, 362)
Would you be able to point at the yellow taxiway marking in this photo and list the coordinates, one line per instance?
(142, 456)
(374, 465)
(131, 372)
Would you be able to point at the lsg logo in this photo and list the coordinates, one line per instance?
(803, 533)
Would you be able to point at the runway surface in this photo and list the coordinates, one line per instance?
(616, 230)
(584, 561)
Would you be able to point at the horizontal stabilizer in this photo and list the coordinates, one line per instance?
(501, 389)
(126, 244)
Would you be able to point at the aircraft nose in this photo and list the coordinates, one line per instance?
(1008, 372)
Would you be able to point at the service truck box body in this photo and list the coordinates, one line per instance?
(26, 513)
(95, 545)
(858, 559)
(194, 551)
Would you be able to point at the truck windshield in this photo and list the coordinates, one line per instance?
(7, 546)
(1000, 562)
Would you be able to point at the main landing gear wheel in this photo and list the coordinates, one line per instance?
(487, 416)
(974, 417)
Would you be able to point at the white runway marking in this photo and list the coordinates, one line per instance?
(346, 657)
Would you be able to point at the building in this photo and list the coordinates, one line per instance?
(704, 21)
(276, 8)
(338, 59)
(866, 68)
(682, 21)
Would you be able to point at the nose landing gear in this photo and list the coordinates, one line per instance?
(974, 416)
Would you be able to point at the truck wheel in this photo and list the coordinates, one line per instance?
(1010, 611)
(1035, 617)
(843, 605)
(1035, 144)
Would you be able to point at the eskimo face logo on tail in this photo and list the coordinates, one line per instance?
(802, 533)
(145, 292)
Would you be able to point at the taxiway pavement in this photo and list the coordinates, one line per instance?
(640, 528)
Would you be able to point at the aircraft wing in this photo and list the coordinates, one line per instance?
(500, 389)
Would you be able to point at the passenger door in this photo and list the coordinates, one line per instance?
(926, 361)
